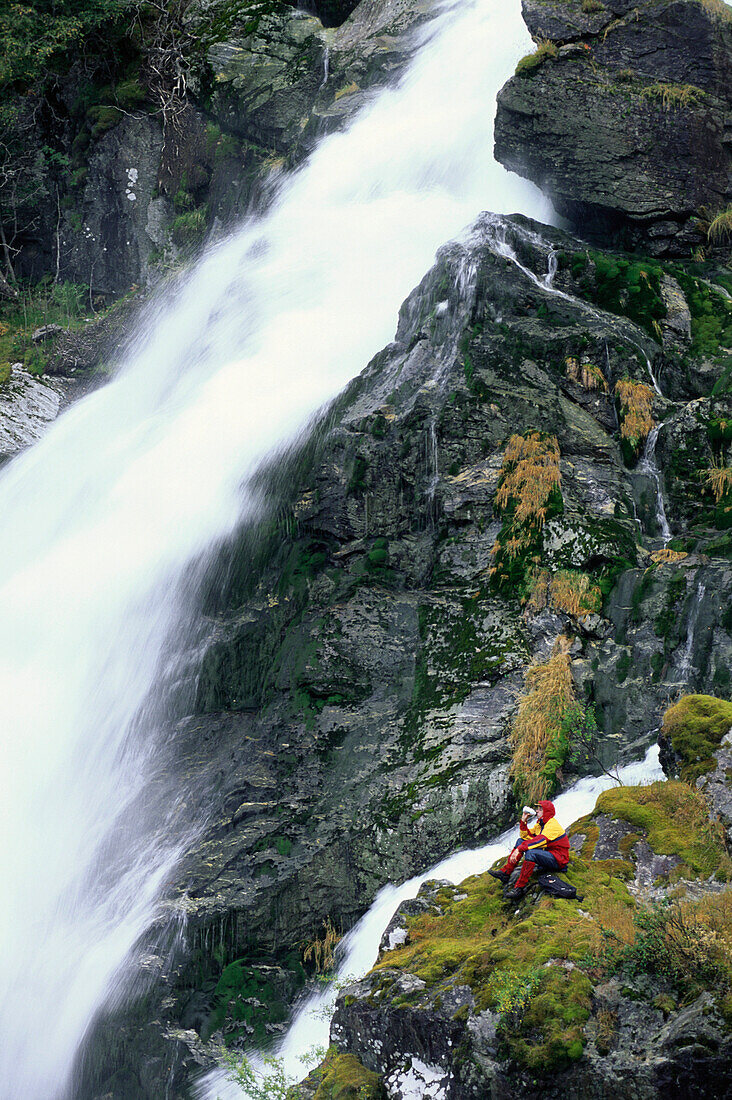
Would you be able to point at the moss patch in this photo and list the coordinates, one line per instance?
(343, 1077)
(696, 726)
(675, 819)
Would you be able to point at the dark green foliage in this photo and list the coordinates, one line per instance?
(630, 288)
(711, 314)
(357, 480)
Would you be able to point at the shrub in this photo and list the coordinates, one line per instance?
(5, 372)
(537, 725)
(682, 943)
(544, 51)
(720, 228)
(190, 227)
(574, 592)
(590, 6)
(674, 95)
(512, 992)
(695, 726)
(529, 492)
(529, 475)
(719, 479)
(636, 404)
(320, 950)
(585, 374)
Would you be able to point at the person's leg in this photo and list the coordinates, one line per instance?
(527, 870)
(513, 860)
(546, 861)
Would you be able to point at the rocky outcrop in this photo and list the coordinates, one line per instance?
(623, 991)
(363, 667)
(28, 405)
(621, 116)
(140, 194)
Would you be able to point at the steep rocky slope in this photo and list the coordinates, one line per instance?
(626, 990)
(365, 664)
(621, 115)
(118, 189)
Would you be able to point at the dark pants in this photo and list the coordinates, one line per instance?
(543, 859)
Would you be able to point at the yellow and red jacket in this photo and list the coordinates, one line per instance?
(550, 835)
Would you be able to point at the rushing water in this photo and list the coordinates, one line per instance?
(104, 520)
(357, 952)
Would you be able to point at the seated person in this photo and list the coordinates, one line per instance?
(545, 844)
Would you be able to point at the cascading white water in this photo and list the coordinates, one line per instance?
(103, 518)
(649, 467)
(357, 952)
(688, 651)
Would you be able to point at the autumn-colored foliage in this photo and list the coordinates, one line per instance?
(585, 374)
(718, 478)
(666, 556)
(548, 692)
(636, 402)
(567, 590)
(529, 475)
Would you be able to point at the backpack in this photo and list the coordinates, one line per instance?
(557, 887)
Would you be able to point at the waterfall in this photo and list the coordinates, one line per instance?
(357, 952)
(107, 517)
(649, 466)
(685, 660)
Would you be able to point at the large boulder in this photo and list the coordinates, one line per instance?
(621, 116)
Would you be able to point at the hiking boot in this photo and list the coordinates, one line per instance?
(515, 894)
(500, 875)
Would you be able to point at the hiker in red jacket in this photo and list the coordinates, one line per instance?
(545, 844)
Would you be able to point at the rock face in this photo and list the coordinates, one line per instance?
(475, 998)
(363, 666)
(622, 119)
(137, 198)
(28, 406)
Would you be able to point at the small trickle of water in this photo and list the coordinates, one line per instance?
(326, 67)
(648, 466)
(685, 661)
(552, 264)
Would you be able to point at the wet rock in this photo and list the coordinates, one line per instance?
(28, 406)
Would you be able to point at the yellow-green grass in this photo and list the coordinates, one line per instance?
(479, 941)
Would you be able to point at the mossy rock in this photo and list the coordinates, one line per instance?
(695, 727)
(343, 1077)
(674, 818)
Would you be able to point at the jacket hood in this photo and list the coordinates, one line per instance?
(547, 810)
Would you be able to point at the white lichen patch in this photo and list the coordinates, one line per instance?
(132, 177)
(417, 1080)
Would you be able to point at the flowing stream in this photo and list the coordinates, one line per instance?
(357, 952)
(105, 520)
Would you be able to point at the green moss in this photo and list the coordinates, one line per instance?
(343, 1077)
(543, 52)
(696, 726)
(190, 227)
(629, 288)
(711, 314)
(35, 361)
(244, 1000)
(674, 818)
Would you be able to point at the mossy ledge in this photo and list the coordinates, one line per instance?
(531, 998)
